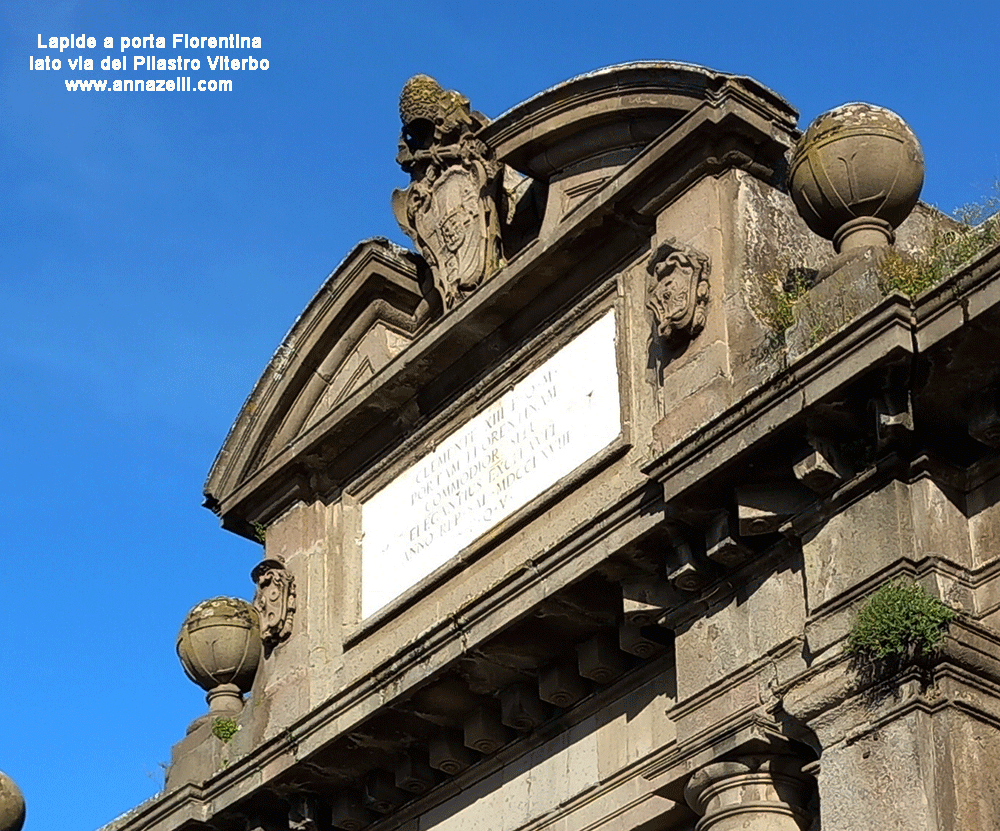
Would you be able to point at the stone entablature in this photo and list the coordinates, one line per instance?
(655, 638)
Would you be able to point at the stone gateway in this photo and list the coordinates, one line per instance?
(658, 489)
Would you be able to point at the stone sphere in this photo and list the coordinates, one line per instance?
(12, 808)
(857, 161)
(219, 643)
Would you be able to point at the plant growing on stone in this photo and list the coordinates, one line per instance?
(224, 729)
(899, 621)
(787, 287)
(975, 213)
(948, 250)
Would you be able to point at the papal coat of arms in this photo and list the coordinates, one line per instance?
(450, 208)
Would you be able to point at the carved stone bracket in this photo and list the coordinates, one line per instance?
(678, 290)
(823, 467)
(893, 406)
(317, 473)
(303, 813)
(984, 417)
(274, 601)
(450, 208)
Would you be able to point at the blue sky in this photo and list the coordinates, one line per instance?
(157, 246)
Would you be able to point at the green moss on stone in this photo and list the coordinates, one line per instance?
(224, 729)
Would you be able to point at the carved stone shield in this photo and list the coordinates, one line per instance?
(679, 292)
(454, 225)
(274, 601)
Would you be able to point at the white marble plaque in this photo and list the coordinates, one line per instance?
(549, 424)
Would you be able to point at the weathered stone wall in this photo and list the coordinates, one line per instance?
(661, 633)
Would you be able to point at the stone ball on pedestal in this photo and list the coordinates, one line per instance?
(12, 809)
(219, 646)
(856, 174)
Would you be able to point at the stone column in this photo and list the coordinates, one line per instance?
(752, 793)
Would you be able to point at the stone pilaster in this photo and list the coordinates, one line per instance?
(751, 793)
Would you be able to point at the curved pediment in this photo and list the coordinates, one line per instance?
(577, 135)
(366, 313)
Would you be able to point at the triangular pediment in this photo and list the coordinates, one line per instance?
(365, 314)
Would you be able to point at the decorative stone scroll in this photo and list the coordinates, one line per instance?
(450, 208)
(678, 291)
(274, 601)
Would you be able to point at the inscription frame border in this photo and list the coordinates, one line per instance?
(541, 346)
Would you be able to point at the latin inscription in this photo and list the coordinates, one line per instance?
(542, 429)
(476, 476)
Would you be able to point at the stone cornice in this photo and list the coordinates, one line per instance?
(877, 337)
(427, 654)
